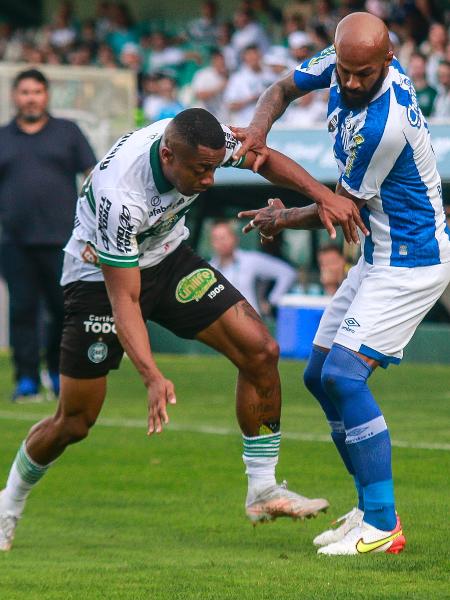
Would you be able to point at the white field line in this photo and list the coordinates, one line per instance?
(206, 429)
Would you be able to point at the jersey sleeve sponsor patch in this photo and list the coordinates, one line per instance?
(232, 145)
(316, 72)
(118, 217)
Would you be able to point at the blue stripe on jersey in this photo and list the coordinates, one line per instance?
(333, 100)
(411, 215)
(308, 82)
(368, 241)
(372, 131)
(397, 66)
(402, 96)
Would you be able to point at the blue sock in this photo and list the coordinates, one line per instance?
(344, 378)
(360, 492)
(312, 378)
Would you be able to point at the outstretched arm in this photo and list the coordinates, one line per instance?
(275, 217)
(331, 208)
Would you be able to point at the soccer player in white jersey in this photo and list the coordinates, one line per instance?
(387, 166)
(126, 263)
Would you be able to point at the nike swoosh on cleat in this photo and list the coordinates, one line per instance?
(362, 547)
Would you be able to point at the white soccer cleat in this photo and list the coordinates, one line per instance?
(8, 524)
(277, 501)
(349, 520)
(366, 539)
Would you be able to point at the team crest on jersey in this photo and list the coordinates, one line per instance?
(195, 285)
(350, 131)
(332, 124)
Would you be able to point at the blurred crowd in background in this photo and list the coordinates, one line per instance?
(223, 64)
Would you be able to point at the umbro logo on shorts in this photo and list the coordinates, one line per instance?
(350, 323)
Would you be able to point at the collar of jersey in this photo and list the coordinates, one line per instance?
(163, 185)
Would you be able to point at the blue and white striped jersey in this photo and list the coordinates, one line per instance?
(385, 157)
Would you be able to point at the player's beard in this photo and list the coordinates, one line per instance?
(360, 99)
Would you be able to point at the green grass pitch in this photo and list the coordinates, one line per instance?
(124, 516)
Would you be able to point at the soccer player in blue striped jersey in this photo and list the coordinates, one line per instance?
(387, 166)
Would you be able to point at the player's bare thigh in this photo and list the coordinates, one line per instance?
(81, 396)
(240, 334)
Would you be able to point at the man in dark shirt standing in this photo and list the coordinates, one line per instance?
(40, 157)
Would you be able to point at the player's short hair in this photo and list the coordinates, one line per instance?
(31, 74)
(198, 127)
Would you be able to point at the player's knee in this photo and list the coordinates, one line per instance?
(272, 351)
(267, 355)
(260, 356)
(74, 429)
(343, 373)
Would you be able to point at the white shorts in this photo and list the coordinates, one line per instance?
(377, 308)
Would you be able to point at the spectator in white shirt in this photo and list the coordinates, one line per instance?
(162, 102)
(230, 55)
(278, 62)
(300, 46)
(245, 268)
(208, 86)
(248, 32)
(162, 55)
(442, 102)
(308, 110)
(434, 50)
(245, 87)
(203, 30)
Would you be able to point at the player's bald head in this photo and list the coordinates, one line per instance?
(362, 37)
(363, 56)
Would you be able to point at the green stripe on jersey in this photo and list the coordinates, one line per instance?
(118, 261)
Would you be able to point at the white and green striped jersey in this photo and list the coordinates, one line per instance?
(128, 214)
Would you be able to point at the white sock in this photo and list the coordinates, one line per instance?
(261, 473)
(260, 458)
(24, 475)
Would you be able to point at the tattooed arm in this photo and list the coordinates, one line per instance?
(275, 217)
(271, 105)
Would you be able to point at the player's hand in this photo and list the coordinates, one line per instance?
(161, 392)
(267, 220)
(252, 139)
(342, 210)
